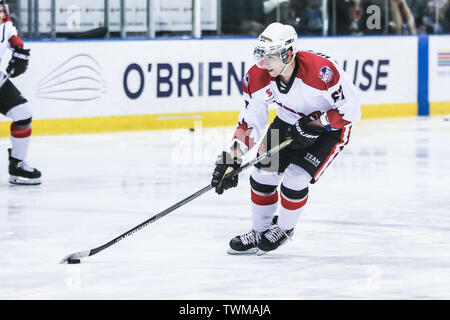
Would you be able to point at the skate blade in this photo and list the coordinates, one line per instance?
(24, 181)
(261, 252)
(247, 252)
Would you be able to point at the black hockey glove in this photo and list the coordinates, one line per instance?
(305, 134)
(224, 164)
(19, 62)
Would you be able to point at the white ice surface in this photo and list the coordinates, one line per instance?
(377, 224)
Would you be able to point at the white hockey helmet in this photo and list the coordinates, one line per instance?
(276, 38)
(4, 7)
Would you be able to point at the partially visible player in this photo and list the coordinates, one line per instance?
(317, 104)
(13, 105)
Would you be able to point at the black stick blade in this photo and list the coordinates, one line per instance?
(75, 256)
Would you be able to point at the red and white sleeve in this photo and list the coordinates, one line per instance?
(11, 33)
(344, 98)
(254, 115)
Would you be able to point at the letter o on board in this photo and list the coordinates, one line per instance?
(131, 67)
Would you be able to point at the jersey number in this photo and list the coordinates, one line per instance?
(338, 94)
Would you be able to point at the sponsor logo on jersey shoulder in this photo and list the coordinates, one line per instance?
(326, 74)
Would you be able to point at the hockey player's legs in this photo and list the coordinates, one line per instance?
(264, 197)
(14, 106)
(293, 194)
(20, 130)
(306, 166)
(20, 172)
(296, 167)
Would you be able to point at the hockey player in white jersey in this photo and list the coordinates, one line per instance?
(317, 104)
(13, 105)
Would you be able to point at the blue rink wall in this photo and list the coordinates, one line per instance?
(119, 85)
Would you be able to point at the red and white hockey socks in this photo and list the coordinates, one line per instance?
(20, 138)
(293, 197)
(292, 205)
(20, 130)
(264, 204)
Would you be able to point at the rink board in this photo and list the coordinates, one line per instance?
(439, 74)
(113, 85)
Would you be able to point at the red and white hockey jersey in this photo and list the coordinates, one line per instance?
(9, 37)
(320, 87)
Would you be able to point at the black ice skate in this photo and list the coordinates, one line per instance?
(245, 243)
(273, 238)
(21, 173)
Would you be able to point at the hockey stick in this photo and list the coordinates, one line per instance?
(74, 257)
(5, 79)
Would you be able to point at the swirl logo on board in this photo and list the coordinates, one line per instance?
(77, 79)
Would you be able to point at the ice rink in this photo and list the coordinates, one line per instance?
(377, 224)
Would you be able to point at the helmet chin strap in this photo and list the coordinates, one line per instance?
(286, 65)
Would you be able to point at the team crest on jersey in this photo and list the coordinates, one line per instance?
(326, 74)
